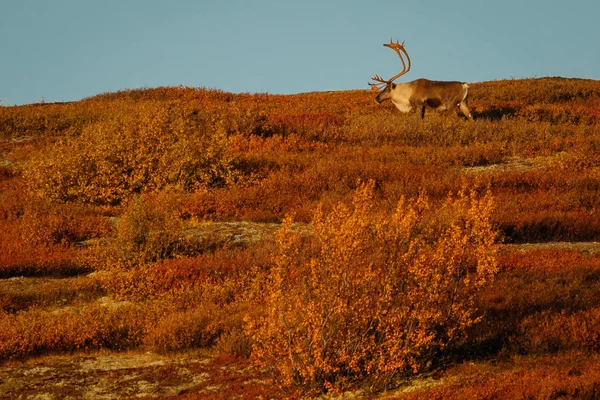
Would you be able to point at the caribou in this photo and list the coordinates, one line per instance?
(422, 93)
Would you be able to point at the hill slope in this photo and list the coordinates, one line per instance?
(145, 220)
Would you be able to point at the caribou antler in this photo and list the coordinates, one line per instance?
(397, 47)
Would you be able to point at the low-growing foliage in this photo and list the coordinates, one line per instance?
(548, 332)
(18, 257)
(92, 327)
(376, 295)
(101, 200)
(108, 162)
(185, 330)
(148, 229)
(24, 293)
(572, 376)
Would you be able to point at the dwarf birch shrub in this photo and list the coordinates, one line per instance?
(160, 146)
(373, 296)
(148, 230)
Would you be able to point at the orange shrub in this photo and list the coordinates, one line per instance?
(148, 230)
(37, 236)
(571, 376)
(92, 327)
(312, 125)
(221, 277)
(539, 301)
(160, 146)
(234, 342)
(374, 295)
(19, 257)
(550, 332)
(160, 280)
(46, 223)
(45, 119)
(20, 295)
(6, 173)
(198, 327)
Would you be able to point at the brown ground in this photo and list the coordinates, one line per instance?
(109, 375)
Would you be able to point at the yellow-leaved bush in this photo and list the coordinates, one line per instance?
(372, 296)
(148, 230)
(161, 145)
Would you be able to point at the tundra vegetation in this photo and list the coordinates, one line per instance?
(317, 242)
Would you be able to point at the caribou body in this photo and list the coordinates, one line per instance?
(420, 94)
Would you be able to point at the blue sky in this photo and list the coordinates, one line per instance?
(62, 50)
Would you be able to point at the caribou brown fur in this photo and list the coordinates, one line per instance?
(418, 95)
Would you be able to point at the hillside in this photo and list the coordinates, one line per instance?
(145, 225)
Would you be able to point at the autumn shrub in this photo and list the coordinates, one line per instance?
(159, 146)
(374, 296)
(536, 90)
(304, 176)
(543, 300)
(180, 330)
(21, 257)
(45, 119)
(572, 375)
(202, 318)
(234, 342)
(202, 300)
(312, 125)
(46, 223)
(148, 230)
(82, 328)
(18, 295)
(38, 237)
(12, 198)
(546, 224)
(548, 332)
(158, 280)
(221, 277)
(6, 173)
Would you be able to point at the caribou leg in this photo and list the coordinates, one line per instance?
(464, 107)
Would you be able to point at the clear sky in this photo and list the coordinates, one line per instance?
(62, 50)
